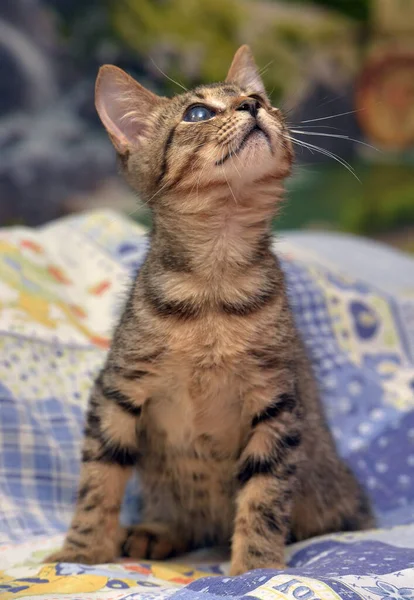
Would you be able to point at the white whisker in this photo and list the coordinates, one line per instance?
(333, 135)
(263, 69)
(349, 112)
(206, 163)
(341, 161)
(318, 127)
(136, 210)
(235, 155)
(156, 194)
(224, 173)
(165, 75)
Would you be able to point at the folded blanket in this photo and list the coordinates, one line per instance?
(61, 288)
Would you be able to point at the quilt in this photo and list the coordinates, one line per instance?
(61, 289)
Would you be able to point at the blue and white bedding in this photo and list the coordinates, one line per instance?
(61, 287)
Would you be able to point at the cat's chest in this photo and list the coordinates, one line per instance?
(199, 396)
(198, 407)
(212, 341)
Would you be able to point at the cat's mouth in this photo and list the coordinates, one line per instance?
(256, 130)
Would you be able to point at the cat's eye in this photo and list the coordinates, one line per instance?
(198, 113)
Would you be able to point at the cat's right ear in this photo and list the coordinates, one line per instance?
(124, 107)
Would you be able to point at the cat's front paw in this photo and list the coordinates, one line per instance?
(84, 556)
(238, 567)
(154, 541)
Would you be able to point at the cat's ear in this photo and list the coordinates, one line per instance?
(244, 72)
(124, 107)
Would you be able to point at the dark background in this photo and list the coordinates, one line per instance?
(319, 59)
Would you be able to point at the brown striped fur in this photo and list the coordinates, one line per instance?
(207, 389)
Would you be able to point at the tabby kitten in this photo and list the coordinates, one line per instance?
(207, 389)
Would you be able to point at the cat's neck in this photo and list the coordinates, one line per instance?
(224, 238)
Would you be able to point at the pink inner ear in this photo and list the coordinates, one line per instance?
(121, 104)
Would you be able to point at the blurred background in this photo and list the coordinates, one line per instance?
(337, 67)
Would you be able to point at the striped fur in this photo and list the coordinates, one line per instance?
(207, 390)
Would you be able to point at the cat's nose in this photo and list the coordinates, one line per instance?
(250, 104)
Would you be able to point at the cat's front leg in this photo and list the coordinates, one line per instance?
(267, 476)
(109, 454)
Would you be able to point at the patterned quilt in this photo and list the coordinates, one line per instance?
(61, 288)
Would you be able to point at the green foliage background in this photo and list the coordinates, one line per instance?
(193, 41)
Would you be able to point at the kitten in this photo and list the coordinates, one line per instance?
(207, 389)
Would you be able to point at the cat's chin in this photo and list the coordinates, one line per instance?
(257, 146)
(255, 160)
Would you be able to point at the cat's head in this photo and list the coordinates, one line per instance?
(224, 132)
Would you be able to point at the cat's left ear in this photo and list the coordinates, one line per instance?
(124, 107)
(244, 72)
